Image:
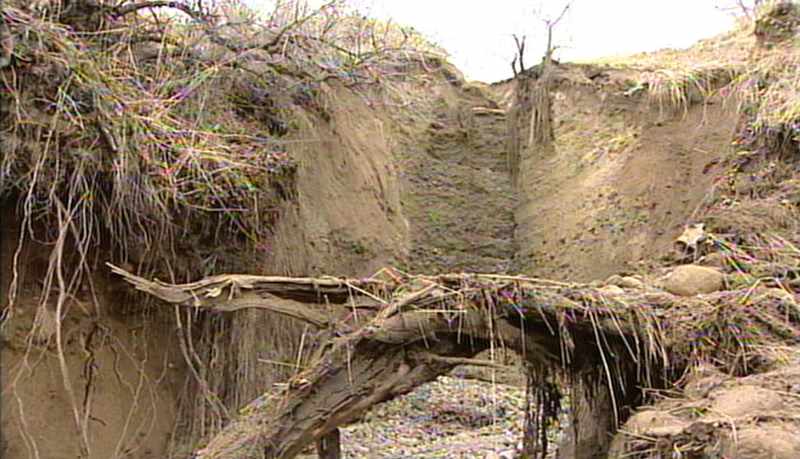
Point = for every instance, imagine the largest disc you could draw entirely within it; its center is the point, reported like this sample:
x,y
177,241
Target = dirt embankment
x,y
618,185
124,366
424,186
344,217
347,217
624,177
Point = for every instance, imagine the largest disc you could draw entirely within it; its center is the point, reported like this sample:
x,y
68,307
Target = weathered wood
x,y
323,289
390,337
353,376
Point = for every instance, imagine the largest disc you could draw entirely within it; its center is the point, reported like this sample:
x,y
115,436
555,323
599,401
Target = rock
x,y
745,400
689,280
715,260
769,441
648,423
625,282
611,290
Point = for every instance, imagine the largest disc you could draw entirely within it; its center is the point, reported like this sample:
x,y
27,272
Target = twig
x,y
429,357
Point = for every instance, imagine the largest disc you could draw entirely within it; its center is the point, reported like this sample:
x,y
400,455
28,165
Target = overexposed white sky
x,y
477,33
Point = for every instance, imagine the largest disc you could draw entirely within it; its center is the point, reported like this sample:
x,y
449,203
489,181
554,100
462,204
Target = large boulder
x,y
689,280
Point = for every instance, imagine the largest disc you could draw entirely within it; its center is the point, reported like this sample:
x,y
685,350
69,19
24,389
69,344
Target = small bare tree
x,y
742,8
550,25
530,122
519,56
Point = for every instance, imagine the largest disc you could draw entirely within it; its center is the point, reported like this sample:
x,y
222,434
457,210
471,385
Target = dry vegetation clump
x,y
681,77
163,136
754,65
770,89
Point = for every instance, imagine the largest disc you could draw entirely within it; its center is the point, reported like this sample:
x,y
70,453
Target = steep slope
x,y
412,174
456,187
344,218
278,170
638,152
622,180
749,410
347,216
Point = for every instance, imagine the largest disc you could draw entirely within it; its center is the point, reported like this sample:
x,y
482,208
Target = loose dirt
x,y
127,369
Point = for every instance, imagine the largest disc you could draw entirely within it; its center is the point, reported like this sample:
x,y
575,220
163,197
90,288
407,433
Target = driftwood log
x,y
383,336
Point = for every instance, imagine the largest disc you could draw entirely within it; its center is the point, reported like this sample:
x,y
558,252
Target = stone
x,y
765,441
715,260
625,282
690,280
745,400
611,290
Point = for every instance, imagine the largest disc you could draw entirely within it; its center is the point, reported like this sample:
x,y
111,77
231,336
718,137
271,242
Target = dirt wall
x,y
342,218
456,187
623,177
125,370
346,218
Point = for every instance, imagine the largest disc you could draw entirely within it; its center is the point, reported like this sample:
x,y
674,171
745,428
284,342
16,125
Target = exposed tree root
x,y
389,336
382,338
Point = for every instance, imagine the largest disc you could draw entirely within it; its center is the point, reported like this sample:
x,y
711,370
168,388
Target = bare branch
x,y
406,339
744,8
520,54
551,25
555,22
430,357
123,10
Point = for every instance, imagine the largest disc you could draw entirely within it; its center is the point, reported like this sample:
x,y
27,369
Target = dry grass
x,y
142,150
677,77
152,130
756,64
769,92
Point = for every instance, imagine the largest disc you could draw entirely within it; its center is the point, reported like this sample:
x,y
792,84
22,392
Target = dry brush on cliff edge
x,y
147,128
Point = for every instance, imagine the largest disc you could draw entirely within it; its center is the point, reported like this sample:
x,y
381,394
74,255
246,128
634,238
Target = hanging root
x,y
542,410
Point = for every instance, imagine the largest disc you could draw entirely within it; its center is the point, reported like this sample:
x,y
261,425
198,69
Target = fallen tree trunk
x,y
337,391
386,337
